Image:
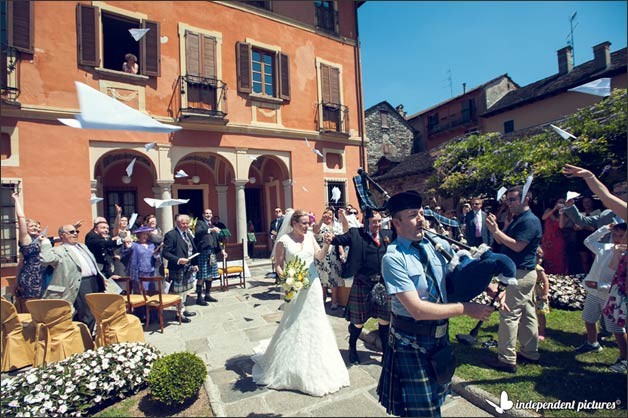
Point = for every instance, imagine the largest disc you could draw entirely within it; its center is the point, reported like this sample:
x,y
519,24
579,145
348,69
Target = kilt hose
x,y
361,307
407,386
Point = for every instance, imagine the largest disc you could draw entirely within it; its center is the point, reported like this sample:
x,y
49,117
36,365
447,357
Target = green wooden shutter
x,y
87,27
150,50
243,65
284,77
20,25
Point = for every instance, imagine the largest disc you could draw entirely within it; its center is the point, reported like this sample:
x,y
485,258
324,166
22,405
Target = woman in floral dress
x,y
30,278
330,268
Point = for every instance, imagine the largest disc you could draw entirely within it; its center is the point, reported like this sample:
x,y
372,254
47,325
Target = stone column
x,y
163,191
223,212
287,193
241,213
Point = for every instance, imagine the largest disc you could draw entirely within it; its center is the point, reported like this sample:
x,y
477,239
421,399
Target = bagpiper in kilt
x,y
418,364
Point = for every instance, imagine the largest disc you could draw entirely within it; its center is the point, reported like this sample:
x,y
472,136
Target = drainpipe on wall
x,y
358,68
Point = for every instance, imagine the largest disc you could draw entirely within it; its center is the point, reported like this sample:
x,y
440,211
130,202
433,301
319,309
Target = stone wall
x,y
394,141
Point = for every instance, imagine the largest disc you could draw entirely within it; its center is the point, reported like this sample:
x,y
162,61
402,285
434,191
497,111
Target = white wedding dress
x,y
303,354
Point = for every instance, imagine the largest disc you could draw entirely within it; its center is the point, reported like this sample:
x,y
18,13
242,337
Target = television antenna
x,y
570,40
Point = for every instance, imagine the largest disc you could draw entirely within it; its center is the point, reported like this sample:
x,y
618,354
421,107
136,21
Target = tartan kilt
x,y
181,281
361,307
207,266
407,386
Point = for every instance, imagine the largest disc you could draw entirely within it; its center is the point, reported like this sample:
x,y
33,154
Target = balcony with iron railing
x,y
332,118
9,84
452,124
202,99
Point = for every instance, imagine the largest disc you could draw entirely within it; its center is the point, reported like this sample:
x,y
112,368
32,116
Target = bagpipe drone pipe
x,y
470,270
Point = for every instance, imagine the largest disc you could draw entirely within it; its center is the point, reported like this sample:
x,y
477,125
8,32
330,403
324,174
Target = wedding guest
x,y
367,246
30,277
552,241
582,232
519,241
541,294
208,244
330,268
178,249
130,64
142,256
103,246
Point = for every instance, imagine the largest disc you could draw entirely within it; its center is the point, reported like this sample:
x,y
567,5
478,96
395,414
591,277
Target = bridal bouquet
x,y
295,277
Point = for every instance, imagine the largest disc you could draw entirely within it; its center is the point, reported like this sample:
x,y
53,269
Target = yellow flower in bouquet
x,y
295,277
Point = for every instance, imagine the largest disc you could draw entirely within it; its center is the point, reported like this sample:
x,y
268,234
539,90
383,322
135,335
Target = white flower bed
x,y
76,384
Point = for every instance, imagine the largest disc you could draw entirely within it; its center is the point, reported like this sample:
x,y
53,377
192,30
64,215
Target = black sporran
x,y
443,364
379,295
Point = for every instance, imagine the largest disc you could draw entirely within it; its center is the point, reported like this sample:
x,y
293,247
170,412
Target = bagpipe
x,y
470,270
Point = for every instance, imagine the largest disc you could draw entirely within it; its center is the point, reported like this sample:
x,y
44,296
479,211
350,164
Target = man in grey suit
x,y
476,232
75,273
596,221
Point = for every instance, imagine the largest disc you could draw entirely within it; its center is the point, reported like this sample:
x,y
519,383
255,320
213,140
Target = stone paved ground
x,y
223,334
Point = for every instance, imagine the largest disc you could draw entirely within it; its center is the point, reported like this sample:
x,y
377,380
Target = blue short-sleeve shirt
x,y
525,227
403,272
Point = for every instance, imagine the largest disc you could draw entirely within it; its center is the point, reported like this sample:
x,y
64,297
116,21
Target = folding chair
x,y
157,300
113,324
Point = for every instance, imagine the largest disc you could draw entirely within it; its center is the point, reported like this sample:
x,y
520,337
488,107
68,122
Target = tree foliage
x,y
481,164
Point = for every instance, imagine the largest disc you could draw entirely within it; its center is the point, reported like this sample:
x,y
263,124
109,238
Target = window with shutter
x,y
331,107
100,27
200,78
19,25
263,72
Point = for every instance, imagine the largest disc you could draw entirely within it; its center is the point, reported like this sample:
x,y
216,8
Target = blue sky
x,y
408,47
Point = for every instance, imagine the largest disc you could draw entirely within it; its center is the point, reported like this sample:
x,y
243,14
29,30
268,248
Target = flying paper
x,y
138,34
501,192
180,174
304,189
150,146
335,194
564,134
252,157
526,188
307,142
129,168
317,152
572,195
44,232
99,111
158,203
599,87
132,220
95,199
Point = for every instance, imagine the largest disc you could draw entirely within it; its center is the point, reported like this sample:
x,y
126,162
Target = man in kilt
x,y
208,243
367,246
414,273
178,248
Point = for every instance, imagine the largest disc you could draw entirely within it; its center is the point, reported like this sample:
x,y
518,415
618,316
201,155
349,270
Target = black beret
x,y
404,200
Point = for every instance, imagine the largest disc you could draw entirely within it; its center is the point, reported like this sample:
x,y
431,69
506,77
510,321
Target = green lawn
x,y
562,375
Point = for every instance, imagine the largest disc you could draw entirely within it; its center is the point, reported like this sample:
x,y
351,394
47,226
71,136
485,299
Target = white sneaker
x,y
588,348
620,366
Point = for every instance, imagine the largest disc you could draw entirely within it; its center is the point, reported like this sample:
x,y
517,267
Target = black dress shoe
x,y
209,298
353,356
200,301
185,320
494,363
188,313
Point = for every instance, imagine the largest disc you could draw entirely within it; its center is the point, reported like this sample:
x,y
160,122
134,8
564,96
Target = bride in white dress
x,y
302,354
